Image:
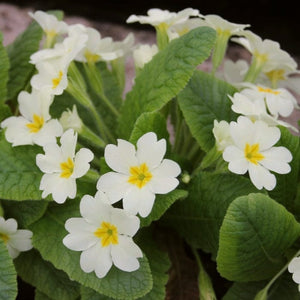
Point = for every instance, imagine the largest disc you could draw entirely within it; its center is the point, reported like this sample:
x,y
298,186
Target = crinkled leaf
x,y
4,67
48,234
19,53
161,204
25,212
19,175
198,218
8,275
38,295
5,111
165,76
41,274
204,100
286,187
254,236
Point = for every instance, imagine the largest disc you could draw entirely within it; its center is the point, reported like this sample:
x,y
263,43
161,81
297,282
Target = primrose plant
x,y
117,192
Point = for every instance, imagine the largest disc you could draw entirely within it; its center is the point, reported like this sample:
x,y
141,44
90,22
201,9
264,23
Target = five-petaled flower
x,y
104,235
16,240
139,174
62,166
253,151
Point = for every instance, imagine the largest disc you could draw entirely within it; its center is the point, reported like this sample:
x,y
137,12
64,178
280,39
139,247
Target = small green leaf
x,y
19,53
48,233
198,218
19,175
165,76
41,274
4,67
8,275
204,100
161,204
38,295
254,236
25,212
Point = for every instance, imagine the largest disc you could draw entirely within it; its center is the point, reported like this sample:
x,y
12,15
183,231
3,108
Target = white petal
x,y
81,162
237,161
261,177
21,240
8,226
115,185
124,255
266,136
127,224
294,265
121,157
94,210
68,143
50,162
276,159
150,151
12,251
96,258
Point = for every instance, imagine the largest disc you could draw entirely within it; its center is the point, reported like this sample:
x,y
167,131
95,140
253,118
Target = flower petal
x,y
81,163
261,177
127,224
21,240
150,151
68,144
237,161
50,161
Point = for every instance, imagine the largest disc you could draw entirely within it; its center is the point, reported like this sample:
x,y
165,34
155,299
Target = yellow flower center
x,y
140,175
4,237
108,234
252,153
57,80
36,124
261,57
276,75
51,33
267,90
90,57
67,168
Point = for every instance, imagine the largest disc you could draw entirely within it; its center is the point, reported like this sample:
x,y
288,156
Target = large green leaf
x,y
19,175
286,187
254,236
204,100
4,67
48,234
199,217
25,212
165,76
19,53
42,275
8,275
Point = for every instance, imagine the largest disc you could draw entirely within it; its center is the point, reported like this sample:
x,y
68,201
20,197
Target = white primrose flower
x,y
16,240
222,134
143,54
294,267
35,125
70,119
104,235
49,23
139,174
62,167
253,151
157,17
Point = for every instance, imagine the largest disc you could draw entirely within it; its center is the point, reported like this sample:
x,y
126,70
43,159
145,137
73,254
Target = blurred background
x,y
276,20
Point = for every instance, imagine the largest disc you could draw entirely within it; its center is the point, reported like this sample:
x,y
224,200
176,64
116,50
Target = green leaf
x,y
38,295
89,294
41,274
25,212
161,204
198,218
150,122
4,67
5,111
19,175
254,236
8,275
48,234
204,100
165,76
286,187
19,53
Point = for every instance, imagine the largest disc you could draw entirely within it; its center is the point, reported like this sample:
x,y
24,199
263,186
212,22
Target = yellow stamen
x,y
260,57
4,237
140,175
267,90
252,153
276,75
90,57
36,124
108,234
67,168
51,33
56,81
